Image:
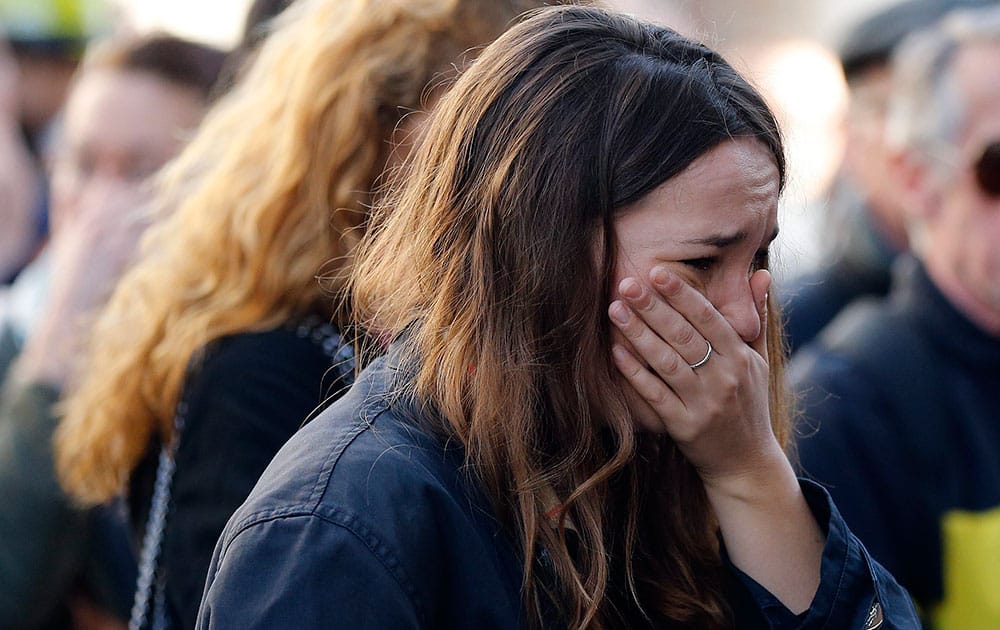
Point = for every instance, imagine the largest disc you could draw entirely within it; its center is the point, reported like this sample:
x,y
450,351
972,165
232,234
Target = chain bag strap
x,y
150,574
151,583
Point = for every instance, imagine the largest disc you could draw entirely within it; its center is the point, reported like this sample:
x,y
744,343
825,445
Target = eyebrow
x,y
722,241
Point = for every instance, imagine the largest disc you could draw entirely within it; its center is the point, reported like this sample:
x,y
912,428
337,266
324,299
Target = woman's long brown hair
x,y
273,190
483,266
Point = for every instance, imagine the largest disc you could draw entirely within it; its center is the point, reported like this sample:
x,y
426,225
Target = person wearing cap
x,y
901,397
41,42
865,214
19,178
48,38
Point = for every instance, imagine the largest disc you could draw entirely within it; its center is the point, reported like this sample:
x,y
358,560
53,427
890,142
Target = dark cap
x,y
871,41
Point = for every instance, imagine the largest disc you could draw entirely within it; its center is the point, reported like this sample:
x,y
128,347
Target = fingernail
x,y
618,312
663,278
618,353
630,288
659,275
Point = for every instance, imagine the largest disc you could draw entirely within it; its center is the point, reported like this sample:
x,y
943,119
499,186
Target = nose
x,y
737,306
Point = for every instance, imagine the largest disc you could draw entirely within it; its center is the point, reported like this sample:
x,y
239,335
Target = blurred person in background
x,y
220,342
45,39
131,106
865,210
19,181
48,38
902,396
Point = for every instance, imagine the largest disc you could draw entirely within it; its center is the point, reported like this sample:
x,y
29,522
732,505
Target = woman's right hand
x,y
91,250
718,412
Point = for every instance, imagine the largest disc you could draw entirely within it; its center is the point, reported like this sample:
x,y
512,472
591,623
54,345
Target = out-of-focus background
x,y
786,46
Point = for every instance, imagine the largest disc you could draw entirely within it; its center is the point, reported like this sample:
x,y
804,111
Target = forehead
x,y
124,109
977,71
732,187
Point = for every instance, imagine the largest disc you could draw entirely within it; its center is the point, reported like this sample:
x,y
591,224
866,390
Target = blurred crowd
x,y
178,225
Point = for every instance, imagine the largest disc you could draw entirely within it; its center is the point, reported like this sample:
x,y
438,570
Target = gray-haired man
x,y
902,398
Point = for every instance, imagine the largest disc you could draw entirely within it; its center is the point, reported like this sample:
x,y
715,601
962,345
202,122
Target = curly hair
x,y
273,190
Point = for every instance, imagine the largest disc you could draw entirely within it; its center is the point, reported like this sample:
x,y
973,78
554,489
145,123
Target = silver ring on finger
x,y
704,359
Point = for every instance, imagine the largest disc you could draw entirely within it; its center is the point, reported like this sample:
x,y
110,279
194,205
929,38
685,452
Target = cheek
x,y
983,237
965,237
627,267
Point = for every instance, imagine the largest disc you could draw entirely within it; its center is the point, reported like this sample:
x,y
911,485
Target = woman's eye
x,y
701,264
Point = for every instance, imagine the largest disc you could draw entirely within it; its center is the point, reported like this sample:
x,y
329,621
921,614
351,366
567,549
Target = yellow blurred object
x,y
971,544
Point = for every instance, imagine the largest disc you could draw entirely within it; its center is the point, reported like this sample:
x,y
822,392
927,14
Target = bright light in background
x,y
216,22
659,11
802,81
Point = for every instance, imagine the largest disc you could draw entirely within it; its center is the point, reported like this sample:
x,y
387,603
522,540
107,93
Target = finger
x,y
760,283
658,354
644,416
650,387
664,320
696,309
617,337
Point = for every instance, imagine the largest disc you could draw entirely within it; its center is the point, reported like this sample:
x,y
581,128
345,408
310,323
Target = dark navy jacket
x,y
246,395
365,521
901,399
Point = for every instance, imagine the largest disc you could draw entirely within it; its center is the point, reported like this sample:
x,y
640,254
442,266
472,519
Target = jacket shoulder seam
x,y
351,523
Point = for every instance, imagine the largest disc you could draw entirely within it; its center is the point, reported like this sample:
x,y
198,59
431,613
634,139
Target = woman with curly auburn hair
x,y
216,346
579,422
